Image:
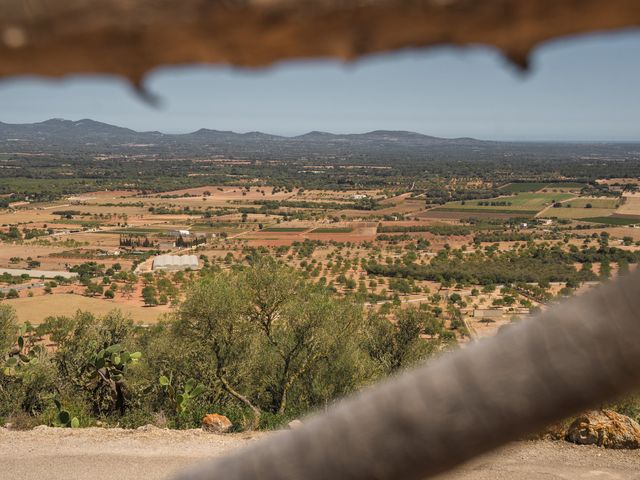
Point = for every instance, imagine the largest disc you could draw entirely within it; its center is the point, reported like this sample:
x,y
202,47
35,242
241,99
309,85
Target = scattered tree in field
x,y
94,289
398,346
149,295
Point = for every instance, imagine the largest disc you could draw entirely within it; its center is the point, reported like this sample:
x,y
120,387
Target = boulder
x,y
604,428
293,424
215,423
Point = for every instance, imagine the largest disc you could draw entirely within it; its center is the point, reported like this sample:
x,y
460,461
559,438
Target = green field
x,y
594,202
524,203
613,220
285,229
522,187
578,213
572,185
332,230
535,186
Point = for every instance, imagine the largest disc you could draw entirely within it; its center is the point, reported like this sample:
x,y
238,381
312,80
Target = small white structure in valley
x,y
180,233
175,262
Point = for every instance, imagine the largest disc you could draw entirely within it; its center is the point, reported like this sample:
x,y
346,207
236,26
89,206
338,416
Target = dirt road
x,y
58,454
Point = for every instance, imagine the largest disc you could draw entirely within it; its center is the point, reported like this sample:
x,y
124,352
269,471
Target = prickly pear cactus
x,y
181,397
64,418
109,367
24,353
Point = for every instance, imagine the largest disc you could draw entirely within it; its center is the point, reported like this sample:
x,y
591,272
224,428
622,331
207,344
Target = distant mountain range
x,y
90,134
67,137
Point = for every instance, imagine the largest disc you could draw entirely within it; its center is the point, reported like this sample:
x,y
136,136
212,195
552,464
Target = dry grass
x,y
630,206
577,212
36,309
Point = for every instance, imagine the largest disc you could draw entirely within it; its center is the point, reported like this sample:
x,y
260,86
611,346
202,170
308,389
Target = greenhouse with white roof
x,y
175,262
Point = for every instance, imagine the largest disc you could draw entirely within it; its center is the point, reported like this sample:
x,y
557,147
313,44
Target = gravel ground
x,y
542,460
151,453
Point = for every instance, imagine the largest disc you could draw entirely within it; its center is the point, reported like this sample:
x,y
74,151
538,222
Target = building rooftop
x,y
175,262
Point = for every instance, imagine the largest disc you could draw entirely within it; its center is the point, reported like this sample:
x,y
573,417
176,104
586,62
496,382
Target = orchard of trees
x,y
260,344
531,264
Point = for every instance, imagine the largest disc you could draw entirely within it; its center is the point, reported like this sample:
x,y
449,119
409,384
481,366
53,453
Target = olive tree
x,y
271,336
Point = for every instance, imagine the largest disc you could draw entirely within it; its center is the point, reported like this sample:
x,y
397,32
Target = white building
x,y
180,233
175,262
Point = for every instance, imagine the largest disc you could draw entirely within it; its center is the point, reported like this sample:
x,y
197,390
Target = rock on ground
x,y
604,428
293,424
215,423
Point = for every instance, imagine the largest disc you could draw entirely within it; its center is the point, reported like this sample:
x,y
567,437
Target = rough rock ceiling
x,y
130,37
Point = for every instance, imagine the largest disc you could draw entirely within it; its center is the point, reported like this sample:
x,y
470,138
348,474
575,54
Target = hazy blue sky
x,y
579,89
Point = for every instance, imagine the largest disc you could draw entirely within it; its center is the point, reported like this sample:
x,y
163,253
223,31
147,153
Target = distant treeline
x,y
485,271
495,223
360,204
393,238
495,237
494,203
185,242
433,229
69,213
136,241
122,204
175,211
276,204
537,264
440,196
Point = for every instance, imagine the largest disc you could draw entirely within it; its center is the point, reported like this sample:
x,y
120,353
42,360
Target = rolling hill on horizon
x,y
87,127
89,137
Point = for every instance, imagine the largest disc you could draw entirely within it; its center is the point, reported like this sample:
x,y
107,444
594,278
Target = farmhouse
x,y
175,262
180,233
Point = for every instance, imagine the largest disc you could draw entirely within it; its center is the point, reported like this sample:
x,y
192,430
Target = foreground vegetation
x,y
259,344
